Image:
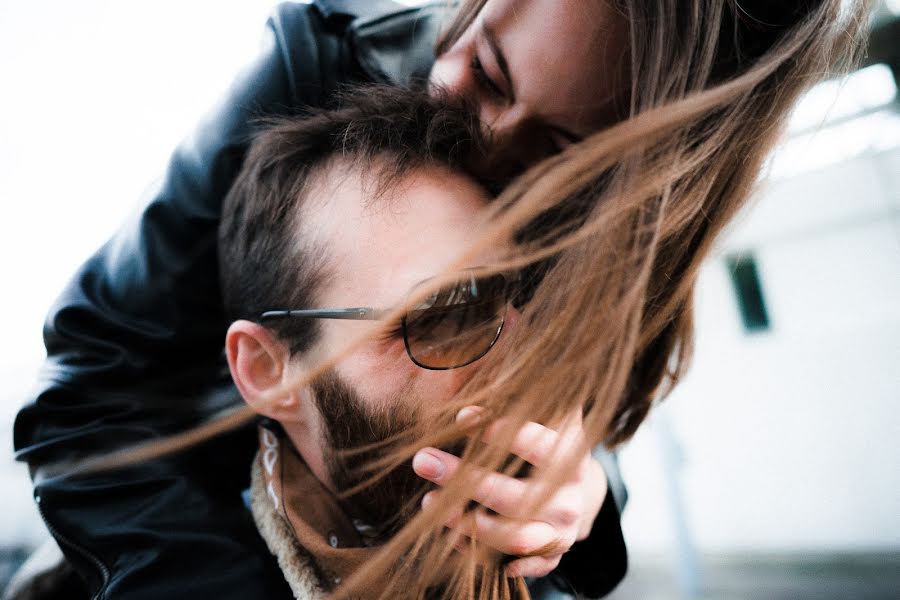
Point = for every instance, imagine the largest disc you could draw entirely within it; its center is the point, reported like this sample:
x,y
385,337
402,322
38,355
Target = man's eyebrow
x,y
494,47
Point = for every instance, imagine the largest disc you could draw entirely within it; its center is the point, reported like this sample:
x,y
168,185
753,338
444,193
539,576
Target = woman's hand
x,y
567,517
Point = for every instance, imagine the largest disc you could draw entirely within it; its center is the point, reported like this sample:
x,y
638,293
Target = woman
x,y
702,87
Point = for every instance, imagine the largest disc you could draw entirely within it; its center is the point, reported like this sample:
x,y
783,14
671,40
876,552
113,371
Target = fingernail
x,y
469,412
428,466
427,499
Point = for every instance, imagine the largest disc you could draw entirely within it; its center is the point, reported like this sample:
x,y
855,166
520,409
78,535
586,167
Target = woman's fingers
x,y
498,492
533,566
537,444
507,496
508,536
538,538
517,538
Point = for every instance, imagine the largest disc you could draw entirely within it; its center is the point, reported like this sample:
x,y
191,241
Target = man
x,y
331,223
367,225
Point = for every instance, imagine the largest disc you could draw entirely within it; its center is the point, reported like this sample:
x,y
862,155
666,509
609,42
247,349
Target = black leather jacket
x,y
134,345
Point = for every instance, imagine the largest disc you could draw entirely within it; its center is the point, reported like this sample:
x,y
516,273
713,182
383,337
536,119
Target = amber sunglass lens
x,y
458,324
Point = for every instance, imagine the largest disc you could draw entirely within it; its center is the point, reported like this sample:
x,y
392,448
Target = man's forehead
x,y
382,241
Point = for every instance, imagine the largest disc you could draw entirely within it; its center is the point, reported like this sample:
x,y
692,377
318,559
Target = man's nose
x,y
510,325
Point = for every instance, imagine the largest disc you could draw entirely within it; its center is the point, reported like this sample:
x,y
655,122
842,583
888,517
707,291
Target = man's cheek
x,y
381,370
433,389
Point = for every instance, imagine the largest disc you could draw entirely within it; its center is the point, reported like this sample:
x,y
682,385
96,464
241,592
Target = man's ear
x,y
260,365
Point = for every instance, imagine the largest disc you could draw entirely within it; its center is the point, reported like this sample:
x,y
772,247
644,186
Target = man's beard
x,y
348,424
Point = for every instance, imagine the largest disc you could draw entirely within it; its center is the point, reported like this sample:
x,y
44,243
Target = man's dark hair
x,y
386,131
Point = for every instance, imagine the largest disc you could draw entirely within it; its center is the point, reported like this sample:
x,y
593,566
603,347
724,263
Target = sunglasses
x,y
449,328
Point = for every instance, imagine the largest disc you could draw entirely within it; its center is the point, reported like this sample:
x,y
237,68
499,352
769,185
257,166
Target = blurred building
x,y
772,472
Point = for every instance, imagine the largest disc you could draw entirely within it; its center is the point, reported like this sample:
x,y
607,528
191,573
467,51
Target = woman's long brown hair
x,y
625,219
609,329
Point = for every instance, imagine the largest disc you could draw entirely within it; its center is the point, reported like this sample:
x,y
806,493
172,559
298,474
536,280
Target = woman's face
x,y
543,74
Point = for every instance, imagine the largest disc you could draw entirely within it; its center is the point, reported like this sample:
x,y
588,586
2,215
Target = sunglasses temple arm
x,y
358,314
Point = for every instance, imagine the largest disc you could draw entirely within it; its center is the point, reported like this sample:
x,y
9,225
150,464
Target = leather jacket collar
x,y
392,44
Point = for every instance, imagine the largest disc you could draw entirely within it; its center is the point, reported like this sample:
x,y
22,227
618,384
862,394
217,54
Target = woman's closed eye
x,y
484,81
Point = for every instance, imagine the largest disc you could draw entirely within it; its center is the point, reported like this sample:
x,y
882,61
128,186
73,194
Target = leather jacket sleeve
x,y
594,567
134,353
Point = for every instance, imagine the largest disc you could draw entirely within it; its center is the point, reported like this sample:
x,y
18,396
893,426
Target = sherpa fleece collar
x,y
315,542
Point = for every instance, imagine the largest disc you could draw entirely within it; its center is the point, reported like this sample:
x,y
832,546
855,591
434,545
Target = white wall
x,y
789,437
